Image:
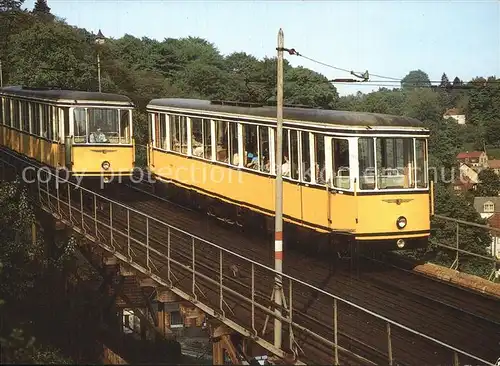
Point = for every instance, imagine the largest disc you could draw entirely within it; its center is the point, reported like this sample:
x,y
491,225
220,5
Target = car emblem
x,y
104,151
398,201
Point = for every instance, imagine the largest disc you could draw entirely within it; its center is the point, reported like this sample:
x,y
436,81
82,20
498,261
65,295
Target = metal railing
x,y
456,246
234,289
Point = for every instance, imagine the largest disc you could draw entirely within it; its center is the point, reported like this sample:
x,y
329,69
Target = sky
x,y
389,38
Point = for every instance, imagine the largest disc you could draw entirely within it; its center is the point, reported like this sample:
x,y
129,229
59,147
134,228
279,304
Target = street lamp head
x,y
99,38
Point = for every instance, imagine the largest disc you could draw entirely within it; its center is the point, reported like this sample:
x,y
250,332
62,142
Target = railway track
x,y
447,313
357,331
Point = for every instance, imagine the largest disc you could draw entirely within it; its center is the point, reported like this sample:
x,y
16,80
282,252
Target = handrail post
x,y
81,209
335,332
389,343
194,268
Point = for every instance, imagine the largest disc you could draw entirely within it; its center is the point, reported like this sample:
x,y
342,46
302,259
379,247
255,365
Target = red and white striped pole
x,y
278,234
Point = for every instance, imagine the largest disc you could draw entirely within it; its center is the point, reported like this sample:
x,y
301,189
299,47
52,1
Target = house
x,y
494,164
470,174
455,114
464,184
487,206
474,158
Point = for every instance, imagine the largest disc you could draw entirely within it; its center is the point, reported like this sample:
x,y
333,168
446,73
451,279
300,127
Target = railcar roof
x,y
293,113
67,95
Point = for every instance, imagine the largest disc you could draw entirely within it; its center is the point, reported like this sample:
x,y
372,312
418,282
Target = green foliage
x,y
415,79
51,54
489,183
41,8
303,86
10,5
23,264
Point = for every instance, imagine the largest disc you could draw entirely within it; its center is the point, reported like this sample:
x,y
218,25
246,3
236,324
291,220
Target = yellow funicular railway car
x,y
87,133
354,174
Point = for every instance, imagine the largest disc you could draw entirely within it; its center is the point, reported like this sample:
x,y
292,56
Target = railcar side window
x,y
233,140
340,164
221,134
294,154
125,137
8,112
35,119
2,119
15,114
250,147
306,157
421,165
155,120
395,167
366,156
319,158
47,121
264,157
207,139
285,163
66,120
25,116
178,133
55,125
162,142
201,139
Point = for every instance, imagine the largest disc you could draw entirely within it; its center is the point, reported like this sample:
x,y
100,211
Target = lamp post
x,y
278,234
99,40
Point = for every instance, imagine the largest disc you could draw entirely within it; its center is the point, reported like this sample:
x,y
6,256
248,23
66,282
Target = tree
x,y
10,5
52,54
41,8
307,87
445,83
489,183
415,79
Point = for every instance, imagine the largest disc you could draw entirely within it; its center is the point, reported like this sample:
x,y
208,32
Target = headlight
x,y
401,222
105,165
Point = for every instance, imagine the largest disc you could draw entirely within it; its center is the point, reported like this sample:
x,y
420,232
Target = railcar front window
x,y
125,135
421,163
103,125
395,163
366,157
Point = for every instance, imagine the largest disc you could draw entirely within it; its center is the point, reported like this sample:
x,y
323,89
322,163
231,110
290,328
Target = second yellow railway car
x,y
358,174
87,133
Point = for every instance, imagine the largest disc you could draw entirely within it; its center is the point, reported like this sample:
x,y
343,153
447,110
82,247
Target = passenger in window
x,y
253,161
285,167
320,174
97,137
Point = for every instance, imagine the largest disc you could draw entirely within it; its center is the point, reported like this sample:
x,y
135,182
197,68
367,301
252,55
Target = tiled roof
x,y
494,164
472,154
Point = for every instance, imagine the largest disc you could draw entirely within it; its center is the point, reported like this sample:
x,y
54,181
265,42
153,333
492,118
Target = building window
x,y
176,319
489,207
